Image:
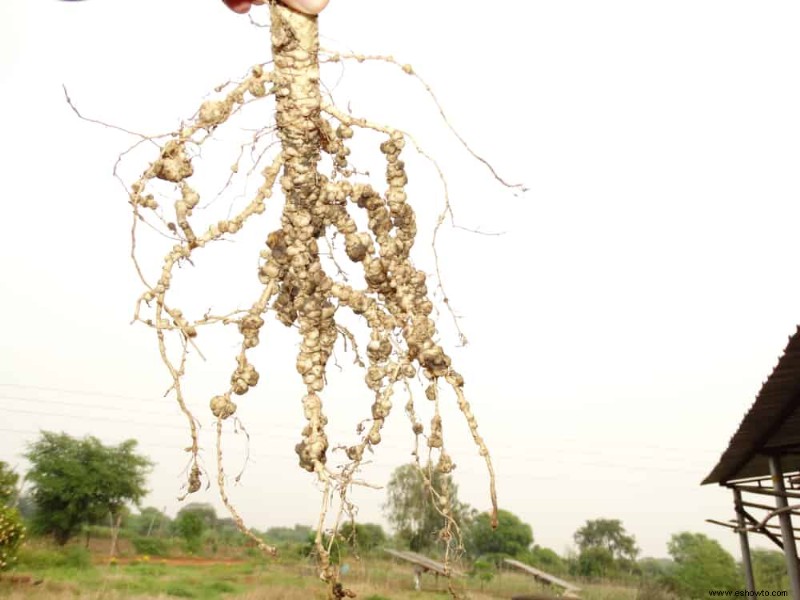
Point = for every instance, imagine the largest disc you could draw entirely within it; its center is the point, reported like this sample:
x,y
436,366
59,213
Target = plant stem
x,y
295,48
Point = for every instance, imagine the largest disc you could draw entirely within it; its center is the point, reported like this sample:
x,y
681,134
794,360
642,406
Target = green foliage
x,y
77,481
297,534
72,557
655,568
12,532
595,561
511,538
337,549
483,570
365,537
769,569
77,558
411,510
151,546
149,521
605,549
226,533
700,564
545,559
180,591
191,525
8,484
608,534
203,510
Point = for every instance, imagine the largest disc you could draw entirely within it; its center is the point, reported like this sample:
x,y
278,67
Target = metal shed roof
x,y
771,424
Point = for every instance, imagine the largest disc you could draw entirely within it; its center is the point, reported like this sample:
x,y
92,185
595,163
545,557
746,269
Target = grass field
x,y
205,579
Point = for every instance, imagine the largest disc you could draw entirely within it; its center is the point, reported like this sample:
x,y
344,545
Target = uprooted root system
x,y
395,304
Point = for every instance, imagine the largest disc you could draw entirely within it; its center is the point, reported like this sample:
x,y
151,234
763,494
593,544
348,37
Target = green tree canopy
x,y
701,564
76,481
769,570
204,510
8,484
191,526
655,569
595,561
149,522
511,538
365,537
545,559
411,511
608,534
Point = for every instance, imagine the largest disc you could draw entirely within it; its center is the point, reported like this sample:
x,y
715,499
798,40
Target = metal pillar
x,y
789,547
744,542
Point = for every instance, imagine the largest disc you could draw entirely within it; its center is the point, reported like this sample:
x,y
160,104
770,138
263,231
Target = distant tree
x,y
8,484
545,559
193,522
227,532
608,534
77,481
595,561
295,535
149,522
701,564
366,537
191,526
511,538
411,511
769,570
655,569
204,510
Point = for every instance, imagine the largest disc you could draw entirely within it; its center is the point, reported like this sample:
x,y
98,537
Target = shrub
x,y
76,557
483,570
12,532
150,546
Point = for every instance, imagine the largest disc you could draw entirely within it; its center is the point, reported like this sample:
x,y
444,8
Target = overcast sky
x,y
642,290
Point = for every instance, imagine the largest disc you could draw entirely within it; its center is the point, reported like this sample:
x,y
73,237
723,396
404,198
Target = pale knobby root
x,y
395,304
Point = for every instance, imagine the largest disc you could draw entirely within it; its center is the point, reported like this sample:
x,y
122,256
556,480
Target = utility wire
x,y
164,402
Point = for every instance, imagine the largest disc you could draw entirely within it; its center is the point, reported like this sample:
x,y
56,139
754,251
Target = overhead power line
x,y
81,392
166,402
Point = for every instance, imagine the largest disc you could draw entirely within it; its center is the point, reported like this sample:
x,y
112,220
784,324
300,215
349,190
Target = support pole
x,y
747,563
789,547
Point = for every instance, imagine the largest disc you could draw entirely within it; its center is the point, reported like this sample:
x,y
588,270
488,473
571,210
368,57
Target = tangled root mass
x,y
395,304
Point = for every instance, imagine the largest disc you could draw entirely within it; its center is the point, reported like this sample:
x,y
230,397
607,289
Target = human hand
x,y
311,7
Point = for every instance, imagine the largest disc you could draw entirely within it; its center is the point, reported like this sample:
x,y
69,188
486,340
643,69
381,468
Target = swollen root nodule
x,y
395,303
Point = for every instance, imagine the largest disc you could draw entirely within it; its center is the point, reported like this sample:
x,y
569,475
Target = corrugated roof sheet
x,y
772,423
